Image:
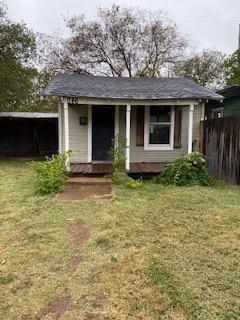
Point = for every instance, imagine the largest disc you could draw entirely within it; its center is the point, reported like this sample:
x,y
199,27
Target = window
x,y
217,112
159,127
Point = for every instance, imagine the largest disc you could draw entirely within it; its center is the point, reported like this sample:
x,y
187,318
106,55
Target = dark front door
x,y
102,132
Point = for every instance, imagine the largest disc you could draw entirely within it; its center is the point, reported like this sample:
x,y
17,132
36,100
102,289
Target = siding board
x,y
138,154
79,136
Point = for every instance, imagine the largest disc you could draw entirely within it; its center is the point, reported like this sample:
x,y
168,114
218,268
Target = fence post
x,y
201,137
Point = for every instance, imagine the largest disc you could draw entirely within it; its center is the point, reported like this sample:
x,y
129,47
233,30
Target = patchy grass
x,y
152,253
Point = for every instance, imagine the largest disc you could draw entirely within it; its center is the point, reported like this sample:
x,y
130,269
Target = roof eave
x,y
67,95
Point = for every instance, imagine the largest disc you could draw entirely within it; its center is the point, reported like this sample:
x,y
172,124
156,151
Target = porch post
x,y
60,129
203,111
116,128
66,131
128,119
190,128
89,133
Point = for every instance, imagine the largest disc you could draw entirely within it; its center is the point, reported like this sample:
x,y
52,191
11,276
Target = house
x,y
28,134
159,118
230,106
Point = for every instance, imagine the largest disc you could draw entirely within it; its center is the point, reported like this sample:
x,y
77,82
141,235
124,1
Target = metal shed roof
x,y
29,115
76,85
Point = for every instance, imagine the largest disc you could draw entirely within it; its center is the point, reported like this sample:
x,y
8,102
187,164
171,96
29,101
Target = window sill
x,y
158,148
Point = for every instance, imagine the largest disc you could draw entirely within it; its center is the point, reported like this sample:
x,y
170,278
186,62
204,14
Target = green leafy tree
x,y
37,103
232,69
205,68
18,76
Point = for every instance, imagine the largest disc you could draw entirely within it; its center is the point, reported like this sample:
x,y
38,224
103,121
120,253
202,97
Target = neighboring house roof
x,y
230,106
76,85
29,115
230,92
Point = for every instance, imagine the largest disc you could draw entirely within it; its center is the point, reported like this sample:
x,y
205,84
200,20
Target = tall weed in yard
x,y
187,171
134,183
118,153
50,174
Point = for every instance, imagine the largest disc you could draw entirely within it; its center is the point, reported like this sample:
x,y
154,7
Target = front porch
x,y
155,132
158,118
102,168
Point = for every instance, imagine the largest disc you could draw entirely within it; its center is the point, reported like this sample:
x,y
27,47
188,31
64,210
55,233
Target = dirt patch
x,y
18,235
79,232
75,194
99,300
76,259
92,316
58,307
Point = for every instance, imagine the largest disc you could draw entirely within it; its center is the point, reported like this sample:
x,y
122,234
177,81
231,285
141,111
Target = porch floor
x,y
100,168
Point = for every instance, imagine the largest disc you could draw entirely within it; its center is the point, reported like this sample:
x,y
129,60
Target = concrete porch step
x,y
85,192
88,181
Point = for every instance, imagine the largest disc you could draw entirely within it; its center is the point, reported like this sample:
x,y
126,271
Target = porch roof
x,y
76,85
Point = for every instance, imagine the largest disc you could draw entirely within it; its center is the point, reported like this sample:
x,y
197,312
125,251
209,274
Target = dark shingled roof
x,y
75,85
230,92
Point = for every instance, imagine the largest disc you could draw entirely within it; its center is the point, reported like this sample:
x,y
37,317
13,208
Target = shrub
x,y
187,171
134,183
118,152
116,178
50,174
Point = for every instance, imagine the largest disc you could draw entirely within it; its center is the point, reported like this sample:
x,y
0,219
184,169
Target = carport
x,y
28,134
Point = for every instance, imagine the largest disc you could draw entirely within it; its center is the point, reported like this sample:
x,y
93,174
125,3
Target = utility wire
x,y
182,21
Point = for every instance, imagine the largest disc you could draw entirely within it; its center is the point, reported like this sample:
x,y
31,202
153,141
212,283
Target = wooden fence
x,y
221,146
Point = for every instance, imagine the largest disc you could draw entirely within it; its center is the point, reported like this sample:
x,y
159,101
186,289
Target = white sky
x,y
205,23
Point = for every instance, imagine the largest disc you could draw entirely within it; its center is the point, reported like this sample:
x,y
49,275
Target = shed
x,y
28,134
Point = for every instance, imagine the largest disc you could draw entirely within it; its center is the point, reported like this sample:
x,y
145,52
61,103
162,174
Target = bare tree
x,y
206,68
120,42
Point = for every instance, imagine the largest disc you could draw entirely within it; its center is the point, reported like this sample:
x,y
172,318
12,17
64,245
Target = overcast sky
x,y
205,23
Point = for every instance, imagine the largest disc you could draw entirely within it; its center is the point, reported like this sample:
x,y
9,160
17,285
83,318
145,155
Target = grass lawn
x,y
155,253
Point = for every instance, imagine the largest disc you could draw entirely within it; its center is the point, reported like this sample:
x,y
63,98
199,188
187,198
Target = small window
x,y
217,112
159,127
160,124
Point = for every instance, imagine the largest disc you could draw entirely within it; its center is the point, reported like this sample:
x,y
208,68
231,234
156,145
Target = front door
x,y
102,132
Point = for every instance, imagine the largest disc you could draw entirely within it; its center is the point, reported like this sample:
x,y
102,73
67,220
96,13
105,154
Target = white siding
x,y
63,132
78,136
138,154
197,115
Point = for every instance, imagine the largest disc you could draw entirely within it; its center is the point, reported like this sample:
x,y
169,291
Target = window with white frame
x,y
217,112
159,127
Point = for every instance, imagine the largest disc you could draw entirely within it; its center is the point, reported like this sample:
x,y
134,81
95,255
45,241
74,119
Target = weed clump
x,y
189,170
50,174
